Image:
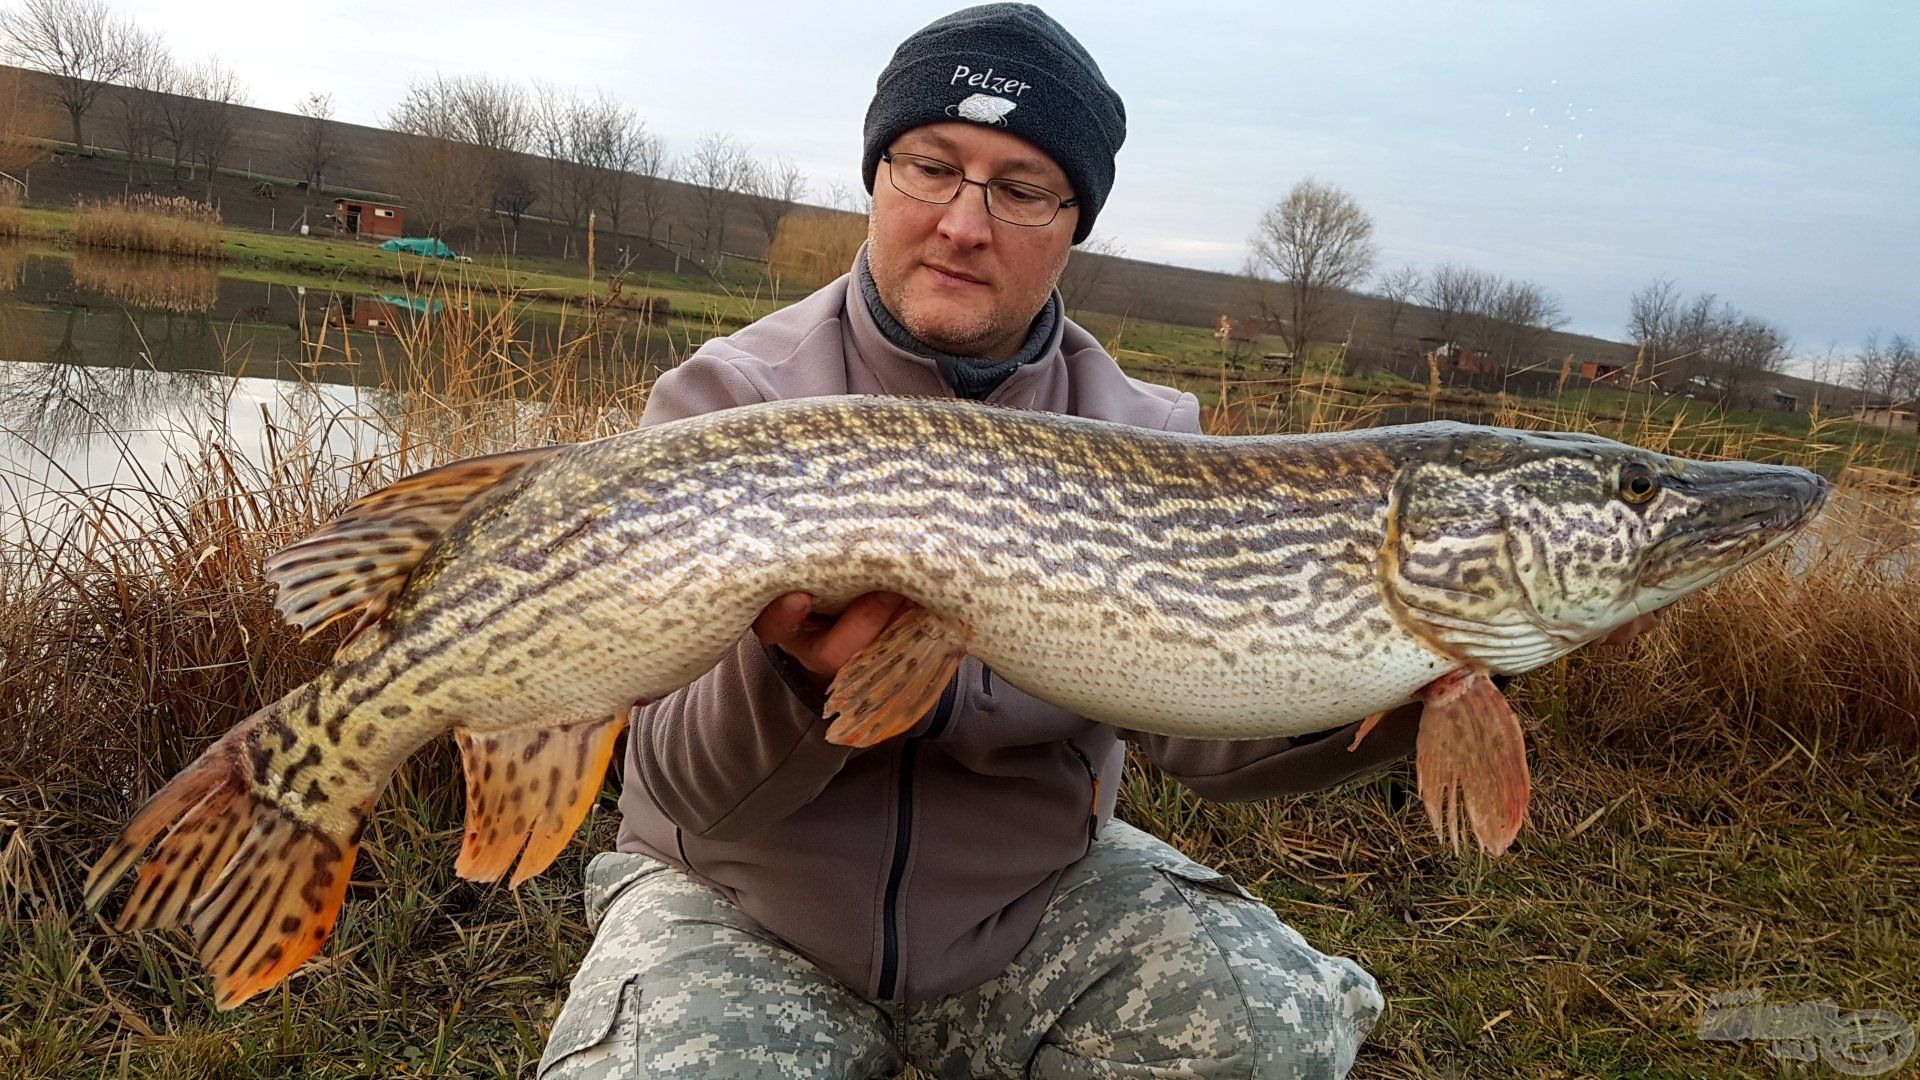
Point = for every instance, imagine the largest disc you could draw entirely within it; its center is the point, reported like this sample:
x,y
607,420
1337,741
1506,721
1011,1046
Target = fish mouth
x,y
1742,511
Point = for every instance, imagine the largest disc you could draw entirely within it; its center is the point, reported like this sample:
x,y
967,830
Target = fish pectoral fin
x,y
358,563
1471,756
260,887
889,685
528,789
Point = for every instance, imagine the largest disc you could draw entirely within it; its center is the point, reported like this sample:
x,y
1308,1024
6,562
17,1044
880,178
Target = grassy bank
x,y
1728,805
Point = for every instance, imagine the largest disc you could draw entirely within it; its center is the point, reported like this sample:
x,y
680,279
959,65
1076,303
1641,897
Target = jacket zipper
x,y
902,839
1093,778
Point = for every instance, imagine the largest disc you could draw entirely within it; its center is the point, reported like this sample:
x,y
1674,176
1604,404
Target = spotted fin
x,y
1471,756
527,792
888,686
358,563
260,888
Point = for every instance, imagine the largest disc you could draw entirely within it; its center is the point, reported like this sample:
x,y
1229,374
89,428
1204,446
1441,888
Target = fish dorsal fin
x,y
359,562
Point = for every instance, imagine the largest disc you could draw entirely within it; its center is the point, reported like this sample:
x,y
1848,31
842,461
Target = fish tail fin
x,y
259,883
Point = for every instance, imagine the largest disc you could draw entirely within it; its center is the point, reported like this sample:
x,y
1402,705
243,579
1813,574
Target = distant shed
x,y
1601,371
1897,416
358,217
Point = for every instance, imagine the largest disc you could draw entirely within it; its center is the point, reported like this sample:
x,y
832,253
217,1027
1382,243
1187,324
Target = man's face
x,y
956,277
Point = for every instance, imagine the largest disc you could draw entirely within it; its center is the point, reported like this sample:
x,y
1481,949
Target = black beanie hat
x,y
1009,66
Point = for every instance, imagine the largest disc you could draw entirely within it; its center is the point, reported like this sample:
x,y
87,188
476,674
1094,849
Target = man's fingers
x,y
782,620
855,629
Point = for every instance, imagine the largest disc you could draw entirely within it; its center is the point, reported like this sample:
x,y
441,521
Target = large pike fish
x,y
1226,588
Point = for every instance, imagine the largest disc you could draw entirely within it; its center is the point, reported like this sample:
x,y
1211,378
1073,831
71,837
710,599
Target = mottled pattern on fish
x,y
1182,585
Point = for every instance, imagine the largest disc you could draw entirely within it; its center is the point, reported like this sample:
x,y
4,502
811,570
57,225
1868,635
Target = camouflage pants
x,y
1144,964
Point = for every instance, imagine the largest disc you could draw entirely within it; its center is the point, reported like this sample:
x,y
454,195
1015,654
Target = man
x,y
958,898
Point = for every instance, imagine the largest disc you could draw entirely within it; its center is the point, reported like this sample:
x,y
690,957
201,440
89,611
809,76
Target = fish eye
x,y
1637,483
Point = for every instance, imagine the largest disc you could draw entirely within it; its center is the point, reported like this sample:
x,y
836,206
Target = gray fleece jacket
x,y
919,867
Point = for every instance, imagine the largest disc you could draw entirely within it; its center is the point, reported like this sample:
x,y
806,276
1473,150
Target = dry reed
x,y
812,247
166,225
1735,767
13,217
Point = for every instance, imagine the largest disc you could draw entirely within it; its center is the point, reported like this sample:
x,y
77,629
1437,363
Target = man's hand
x,y
821,643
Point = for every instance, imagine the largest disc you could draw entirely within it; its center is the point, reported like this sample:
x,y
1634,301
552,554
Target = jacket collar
x,y
919,374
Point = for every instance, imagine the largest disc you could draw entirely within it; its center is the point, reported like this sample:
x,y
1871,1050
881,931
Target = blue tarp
x,y
428,246
419,305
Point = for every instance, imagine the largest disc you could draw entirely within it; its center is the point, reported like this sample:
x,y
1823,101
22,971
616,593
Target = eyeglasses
x,y
931,180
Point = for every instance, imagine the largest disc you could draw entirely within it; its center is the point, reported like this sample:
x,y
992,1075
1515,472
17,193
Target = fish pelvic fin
x,y
259,882
888,686
1471,760
360,562
527,792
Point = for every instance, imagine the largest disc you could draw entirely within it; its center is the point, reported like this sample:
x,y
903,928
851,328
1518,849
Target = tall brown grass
x,y
13,217
167,225
812,247
135,627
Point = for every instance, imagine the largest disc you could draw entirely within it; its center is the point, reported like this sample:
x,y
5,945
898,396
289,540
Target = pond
x,y
110,361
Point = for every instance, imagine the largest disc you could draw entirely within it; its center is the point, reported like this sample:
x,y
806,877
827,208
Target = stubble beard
x,y
967,333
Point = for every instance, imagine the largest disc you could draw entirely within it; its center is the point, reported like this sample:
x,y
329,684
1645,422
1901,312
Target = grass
x,y
1728,805
165,225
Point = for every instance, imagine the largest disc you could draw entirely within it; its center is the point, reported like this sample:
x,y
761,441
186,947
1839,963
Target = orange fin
x,y
260,888
1471,756
358,563
1366,726
527,792
889,685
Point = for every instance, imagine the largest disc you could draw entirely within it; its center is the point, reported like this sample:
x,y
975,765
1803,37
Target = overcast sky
x,y
1768,152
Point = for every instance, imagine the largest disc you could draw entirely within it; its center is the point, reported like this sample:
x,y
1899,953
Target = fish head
x,y
1510,548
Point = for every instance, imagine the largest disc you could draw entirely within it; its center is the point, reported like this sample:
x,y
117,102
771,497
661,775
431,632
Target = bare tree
x,y
1890,371
139,106
316,144
1742,351
213,116
1453,292
586,144
615,139
653,171
1512,320
773,188
1398,287
1315,241
81,43
1090,266
446,178
174,92
718,168
843,196
514,193
24,114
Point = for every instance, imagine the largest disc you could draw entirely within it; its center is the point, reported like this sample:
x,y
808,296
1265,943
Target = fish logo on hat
x,y
983,109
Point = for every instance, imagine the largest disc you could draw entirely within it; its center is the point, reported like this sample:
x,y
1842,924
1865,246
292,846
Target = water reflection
x,y
149,282
13,265
66,429
58,404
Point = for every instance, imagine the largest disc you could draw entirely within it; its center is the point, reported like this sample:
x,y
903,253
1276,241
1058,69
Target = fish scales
x,y
1086,554
1179,585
